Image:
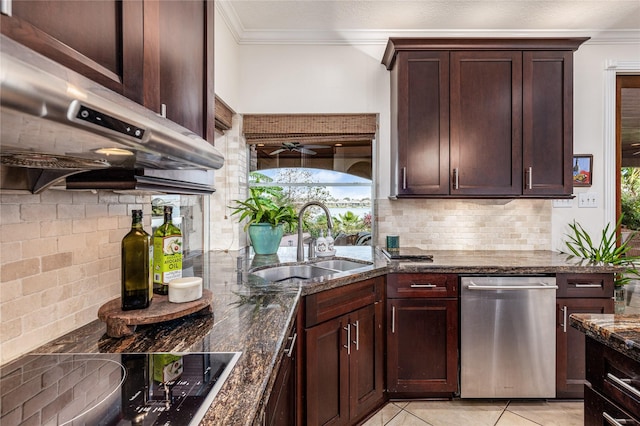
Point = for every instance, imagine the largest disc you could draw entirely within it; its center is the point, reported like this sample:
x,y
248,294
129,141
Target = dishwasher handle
x,y
540,286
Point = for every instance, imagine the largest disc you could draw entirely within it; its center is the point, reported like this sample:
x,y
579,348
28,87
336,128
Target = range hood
x,y
60,129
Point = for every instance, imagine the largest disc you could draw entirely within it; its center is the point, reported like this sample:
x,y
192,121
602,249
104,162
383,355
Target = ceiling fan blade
x,y
305,151
277,151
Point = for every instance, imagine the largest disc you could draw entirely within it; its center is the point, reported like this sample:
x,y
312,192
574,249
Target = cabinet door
x,y
421,113
422,347
570,344
102,39
178,71
366,357
486,123
281,406
327,368
547,122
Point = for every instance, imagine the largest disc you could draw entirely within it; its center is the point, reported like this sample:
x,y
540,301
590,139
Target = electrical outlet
x,y
563,203
588,200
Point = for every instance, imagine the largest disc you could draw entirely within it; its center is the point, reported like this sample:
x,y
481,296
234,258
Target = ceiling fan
x,y
297,147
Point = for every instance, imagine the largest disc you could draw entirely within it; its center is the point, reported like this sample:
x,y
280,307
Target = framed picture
x,y
582,170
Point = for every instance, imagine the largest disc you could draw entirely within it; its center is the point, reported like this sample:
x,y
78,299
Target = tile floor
x,y
479,413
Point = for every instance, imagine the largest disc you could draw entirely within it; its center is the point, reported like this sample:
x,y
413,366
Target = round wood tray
x,y
123,323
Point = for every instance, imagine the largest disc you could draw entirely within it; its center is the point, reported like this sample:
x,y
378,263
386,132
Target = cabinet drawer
x,y
422,285
598,411
330,304
585,285
614,375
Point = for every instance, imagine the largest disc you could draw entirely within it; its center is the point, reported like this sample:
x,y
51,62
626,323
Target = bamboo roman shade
x,y
274,129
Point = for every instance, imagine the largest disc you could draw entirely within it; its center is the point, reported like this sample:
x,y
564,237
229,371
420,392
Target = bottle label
x,y
167,254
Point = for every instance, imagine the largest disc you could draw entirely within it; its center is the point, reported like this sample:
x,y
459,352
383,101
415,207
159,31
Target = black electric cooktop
x,y
112,389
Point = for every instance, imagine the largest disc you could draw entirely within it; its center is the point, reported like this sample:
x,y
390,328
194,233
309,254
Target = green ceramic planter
x,y
265,239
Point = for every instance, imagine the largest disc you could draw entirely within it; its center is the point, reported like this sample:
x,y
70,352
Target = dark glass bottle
x,y
136,276
167,253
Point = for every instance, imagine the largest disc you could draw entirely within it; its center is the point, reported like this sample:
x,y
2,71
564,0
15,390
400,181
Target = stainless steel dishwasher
x,y
508,343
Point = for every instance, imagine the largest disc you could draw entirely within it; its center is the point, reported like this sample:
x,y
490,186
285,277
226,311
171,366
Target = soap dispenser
x,y
321,244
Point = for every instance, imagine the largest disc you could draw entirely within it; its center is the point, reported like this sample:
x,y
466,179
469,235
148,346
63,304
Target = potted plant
x,y
267,217
612,249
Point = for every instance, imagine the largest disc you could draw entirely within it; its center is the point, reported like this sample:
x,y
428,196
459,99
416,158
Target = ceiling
x,y
373,21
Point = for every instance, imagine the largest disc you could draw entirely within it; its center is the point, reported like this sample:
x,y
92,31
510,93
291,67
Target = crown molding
x,y
245,36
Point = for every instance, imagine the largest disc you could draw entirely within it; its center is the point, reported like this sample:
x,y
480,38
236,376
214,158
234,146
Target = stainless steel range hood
x,y
62,129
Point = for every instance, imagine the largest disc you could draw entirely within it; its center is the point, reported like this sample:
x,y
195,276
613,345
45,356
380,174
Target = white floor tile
x,y
552,413
510,419
458,412
383,416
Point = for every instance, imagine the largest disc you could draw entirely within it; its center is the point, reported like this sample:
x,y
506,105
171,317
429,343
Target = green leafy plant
x,y
611,249
263,207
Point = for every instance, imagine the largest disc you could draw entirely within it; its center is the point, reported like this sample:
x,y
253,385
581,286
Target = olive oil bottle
x,y
136,274
167,253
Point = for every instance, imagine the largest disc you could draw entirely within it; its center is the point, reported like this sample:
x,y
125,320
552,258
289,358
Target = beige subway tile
x,y
39,283
107,223
19,199
37,318
10,213
88,254
118,210
55,228
109,250
84,226
56,197
70,211
39,247
17,308
10,290
37,212
71,274
84,197
96,210
20,269
52,296
107,278
127,199
10,252
57,261
73,243
11,329
19,232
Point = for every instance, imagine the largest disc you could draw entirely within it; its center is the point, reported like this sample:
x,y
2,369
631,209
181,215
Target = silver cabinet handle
x,y
530,178
564,319
348,345
623,383
542,286
163,110
5,7
616,422
413,285
293,344
455,178
588,286
404,178
357,341
393,319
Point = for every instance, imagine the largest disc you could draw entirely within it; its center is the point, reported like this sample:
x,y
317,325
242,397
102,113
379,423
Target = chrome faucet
x,y
300,214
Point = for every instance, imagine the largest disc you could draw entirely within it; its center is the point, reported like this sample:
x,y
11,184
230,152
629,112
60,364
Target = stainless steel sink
x,y
340,264
291,272
306,271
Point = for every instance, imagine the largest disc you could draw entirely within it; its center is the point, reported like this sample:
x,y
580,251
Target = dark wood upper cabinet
x,y
102,40
486,123
481,117
155,52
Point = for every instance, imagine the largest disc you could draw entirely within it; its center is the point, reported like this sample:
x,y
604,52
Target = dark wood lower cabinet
x,y
422,347
612,392
344,371
281,408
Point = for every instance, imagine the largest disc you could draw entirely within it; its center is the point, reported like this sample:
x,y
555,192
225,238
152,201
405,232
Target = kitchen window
x,y
323,157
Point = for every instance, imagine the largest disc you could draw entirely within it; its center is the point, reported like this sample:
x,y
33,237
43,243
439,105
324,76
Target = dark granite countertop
x,y
255,317
619,332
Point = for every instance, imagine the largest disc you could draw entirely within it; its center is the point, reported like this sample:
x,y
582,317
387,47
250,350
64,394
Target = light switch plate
x,y
588,200
563,203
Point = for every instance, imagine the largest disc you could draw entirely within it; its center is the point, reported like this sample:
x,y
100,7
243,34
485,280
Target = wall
x,y
321,78
60,260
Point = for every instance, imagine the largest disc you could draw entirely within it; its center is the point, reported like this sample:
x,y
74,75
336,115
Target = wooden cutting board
x,y
123,323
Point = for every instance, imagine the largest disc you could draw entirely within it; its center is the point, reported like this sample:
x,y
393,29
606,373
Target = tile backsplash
x,y
466,224
60,261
